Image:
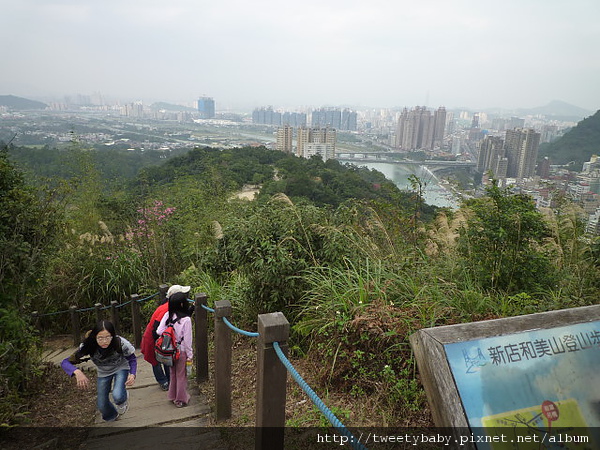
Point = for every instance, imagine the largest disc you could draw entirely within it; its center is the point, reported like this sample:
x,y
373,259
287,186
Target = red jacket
x,y
149,336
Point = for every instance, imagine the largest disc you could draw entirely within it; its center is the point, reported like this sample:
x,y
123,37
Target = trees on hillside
x,y
502,243
577,145
28,224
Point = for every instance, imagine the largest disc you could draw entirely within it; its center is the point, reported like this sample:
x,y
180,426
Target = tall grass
x,y
235,288
338,295
93,268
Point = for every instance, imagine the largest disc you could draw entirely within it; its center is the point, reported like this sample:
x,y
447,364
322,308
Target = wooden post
x,y
271,381
114,315
201,337
222,360
162,294
136,320
98,307
75,326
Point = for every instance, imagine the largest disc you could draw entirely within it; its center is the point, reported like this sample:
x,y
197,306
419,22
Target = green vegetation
x,y
576,146
355,264
51,165
502,240
28,224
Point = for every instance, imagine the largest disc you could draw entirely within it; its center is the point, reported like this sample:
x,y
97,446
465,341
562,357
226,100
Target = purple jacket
x,y
107,364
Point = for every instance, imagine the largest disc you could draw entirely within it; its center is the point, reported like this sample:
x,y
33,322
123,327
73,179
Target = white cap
x,y
174,289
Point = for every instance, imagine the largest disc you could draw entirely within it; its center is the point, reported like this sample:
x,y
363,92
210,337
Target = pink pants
x,y
178,382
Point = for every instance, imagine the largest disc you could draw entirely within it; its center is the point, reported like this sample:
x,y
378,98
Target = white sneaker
x,y
123,407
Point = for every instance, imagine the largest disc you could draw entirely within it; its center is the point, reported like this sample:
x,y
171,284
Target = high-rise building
x,y
334,118
439,127
308,136
133,109
285,136
349,120
407,132
294,119
206,107
325,151
266,116
521,149
418,129
491,157
326,118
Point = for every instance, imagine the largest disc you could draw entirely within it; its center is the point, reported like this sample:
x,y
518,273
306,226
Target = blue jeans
x,y
161,373
107,409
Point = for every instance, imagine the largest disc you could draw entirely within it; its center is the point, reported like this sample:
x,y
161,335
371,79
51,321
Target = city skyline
x,y
245,55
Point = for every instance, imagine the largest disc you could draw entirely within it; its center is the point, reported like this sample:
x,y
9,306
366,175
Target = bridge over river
x,y
398,158
437,191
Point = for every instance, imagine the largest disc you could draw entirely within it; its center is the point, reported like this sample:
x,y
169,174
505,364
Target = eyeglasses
x,y
104,339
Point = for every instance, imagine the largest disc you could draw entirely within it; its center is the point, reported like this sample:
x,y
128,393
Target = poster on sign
x,y
541,384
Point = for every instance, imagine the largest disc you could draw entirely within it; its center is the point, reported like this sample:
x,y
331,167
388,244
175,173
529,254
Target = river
x,y
435,194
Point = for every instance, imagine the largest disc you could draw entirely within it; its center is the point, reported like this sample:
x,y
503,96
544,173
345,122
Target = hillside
x,y
19,103
577,145
327,183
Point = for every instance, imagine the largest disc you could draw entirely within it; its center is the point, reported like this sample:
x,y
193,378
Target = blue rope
x,y
208,309
123,304
245,333
54,313
93,307
316,400
147,298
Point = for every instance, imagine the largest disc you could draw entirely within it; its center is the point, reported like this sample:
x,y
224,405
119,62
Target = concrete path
x,y
152,420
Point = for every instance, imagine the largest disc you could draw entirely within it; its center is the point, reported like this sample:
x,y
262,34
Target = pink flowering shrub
x,y
150,218
150,236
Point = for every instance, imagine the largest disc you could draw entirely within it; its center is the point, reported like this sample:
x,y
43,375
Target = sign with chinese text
x,y
542,383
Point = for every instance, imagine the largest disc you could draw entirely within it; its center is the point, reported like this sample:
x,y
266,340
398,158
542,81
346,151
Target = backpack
x,y
166,347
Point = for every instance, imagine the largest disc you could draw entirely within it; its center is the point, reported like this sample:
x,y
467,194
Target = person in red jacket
x,y
161,372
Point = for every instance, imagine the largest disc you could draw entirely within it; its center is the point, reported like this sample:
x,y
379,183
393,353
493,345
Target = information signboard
x,y
533,379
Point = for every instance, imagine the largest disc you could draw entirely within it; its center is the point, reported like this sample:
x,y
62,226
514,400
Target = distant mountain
x,y
557,109
19,103
170,107
576,145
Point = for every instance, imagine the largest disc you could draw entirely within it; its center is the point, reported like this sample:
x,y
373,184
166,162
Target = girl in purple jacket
x,y
115,359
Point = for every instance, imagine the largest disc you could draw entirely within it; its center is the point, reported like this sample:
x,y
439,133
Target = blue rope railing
x,y
55,313
316,400
311,394
236,329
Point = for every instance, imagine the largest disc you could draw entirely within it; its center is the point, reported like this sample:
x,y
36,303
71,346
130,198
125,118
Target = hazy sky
x,y
248,53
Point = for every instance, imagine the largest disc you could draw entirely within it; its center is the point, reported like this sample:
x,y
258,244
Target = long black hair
x,y
90,344
179,306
